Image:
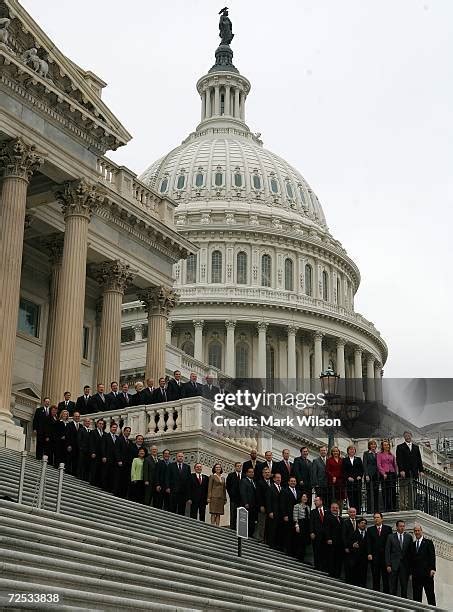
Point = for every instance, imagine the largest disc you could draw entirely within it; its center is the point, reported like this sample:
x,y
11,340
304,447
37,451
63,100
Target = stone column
x,y
242,106
262,330
208,103
19,162
198,343
230,357
168,332
358,373
158,301
227,99
370,390
114,277
216,100
236,103
292,372
54,247
340,358
78,200
317,338
203,106
378,381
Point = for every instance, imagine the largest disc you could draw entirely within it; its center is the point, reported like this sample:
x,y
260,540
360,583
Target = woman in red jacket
x,y
334,470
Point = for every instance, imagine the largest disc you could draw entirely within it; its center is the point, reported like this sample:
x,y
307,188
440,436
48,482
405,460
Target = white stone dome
x,y
230,165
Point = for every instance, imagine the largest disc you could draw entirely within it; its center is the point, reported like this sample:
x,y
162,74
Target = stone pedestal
x,y
78,200
158,301
114,277
19,161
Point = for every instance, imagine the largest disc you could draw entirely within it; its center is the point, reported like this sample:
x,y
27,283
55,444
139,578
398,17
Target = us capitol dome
x,y
270,293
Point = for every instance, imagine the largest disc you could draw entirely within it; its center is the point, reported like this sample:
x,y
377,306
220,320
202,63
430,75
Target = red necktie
x,y
199,478
321,515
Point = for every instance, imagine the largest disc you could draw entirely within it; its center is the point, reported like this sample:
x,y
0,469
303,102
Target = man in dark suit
x,y
371,475
262,487
124,398
39,419
192,388
84,446
318,535
254,464
397,558
209,389
175,387
198,495
150,464
410,467
247,491
360,553
285,467
72,456
162,499
353,476
289,498
82,403
110,459
67,404
274,525
302,471
98,402
124,454
377,539
160,394
334,541
319,474
232,486
146,394
113,396
177,484
349,529
269,463
96,470
422,567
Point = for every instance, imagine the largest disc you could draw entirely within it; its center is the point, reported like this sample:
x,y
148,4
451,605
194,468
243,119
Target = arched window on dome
x,y
242,360
274,185
237,179
241,268
164,185
191,269
256,180
266,270
222,104
289,190
218,179
325,286
188,347
215,355
338,290
181,181
289,274
308,279
216,267
302,197
199,179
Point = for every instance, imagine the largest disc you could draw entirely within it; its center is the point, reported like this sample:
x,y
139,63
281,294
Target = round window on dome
x,y
218,179
164,185
181,181
238,179
289,190
274,185
199,180
256,182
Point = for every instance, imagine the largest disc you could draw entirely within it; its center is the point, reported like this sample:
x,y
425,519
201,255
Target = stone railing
x,y
125,183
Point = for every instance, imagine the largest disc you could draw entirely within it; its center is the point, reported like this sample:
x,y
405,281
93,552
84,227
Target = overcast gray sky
x,y
358,95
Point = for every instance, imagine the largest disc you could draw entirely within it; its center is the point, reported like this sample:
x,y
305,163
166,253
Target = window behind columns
x,y
266,270
216,267
215,355
325,286
241,261
242,360
188,347
191,269
289,275
308,279
86,343
127,334
29,316
270,367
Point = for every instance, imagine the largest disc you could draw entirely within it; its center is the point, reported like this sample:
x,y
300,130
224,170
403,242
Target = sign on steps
x,y
242,527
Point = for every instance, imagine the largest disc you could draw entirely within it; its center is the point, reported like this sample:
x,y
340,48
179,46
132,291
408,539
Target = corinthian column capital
x,y
113,275
79,198
159,300
53,246
19,159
